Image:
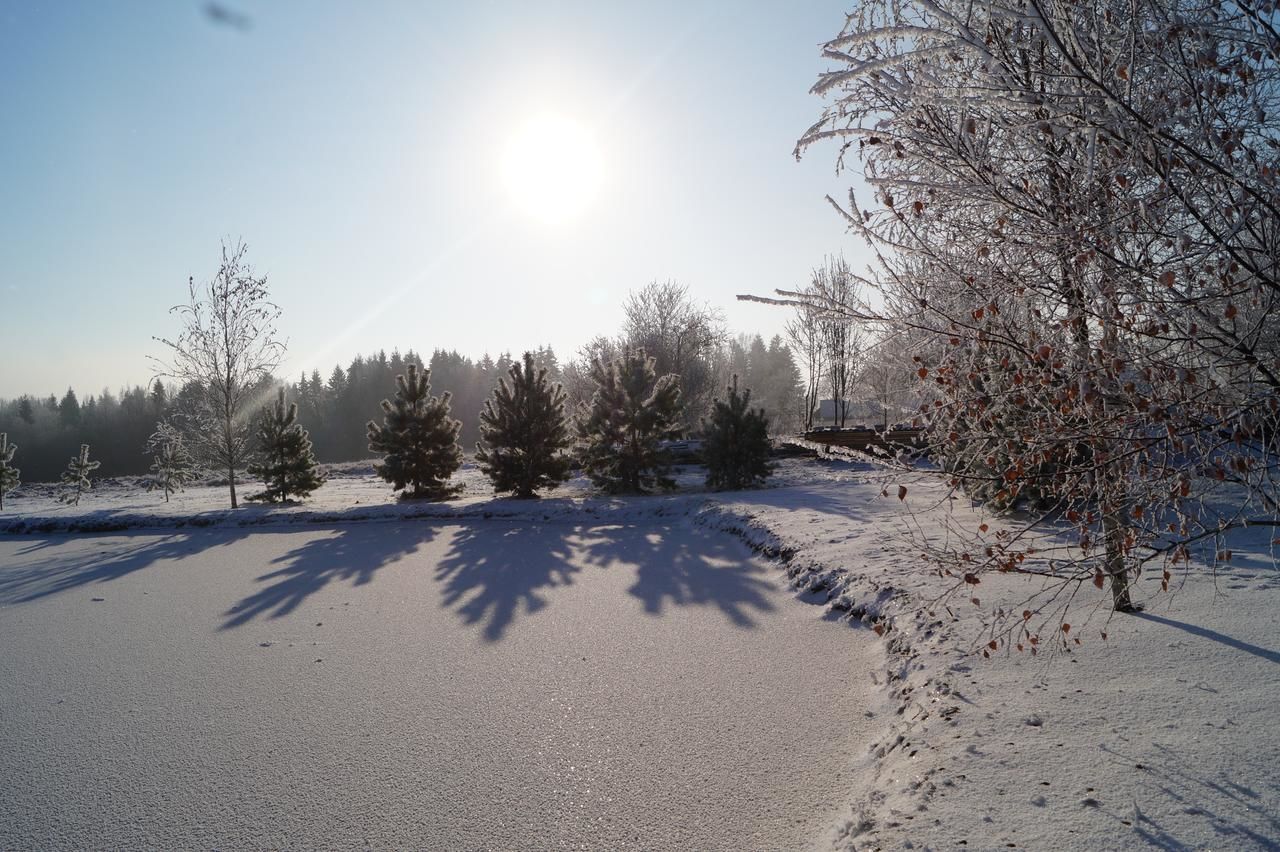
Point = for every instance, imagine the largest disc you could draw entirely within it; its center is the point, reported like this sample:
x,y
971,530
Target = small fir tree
x,y
76,476
286,464
171,464
737,443
8,473
524,432
622,429
419,438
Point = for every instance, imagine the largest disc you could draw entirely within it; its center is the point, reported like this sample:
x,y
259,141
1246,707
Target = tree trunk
x,y
1113,541
231,481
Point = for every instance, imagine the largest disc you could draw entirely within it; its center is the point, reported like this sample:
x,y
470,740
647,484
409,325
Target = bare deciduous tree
x,y
681,336
888,378
223,357
835,289
804,333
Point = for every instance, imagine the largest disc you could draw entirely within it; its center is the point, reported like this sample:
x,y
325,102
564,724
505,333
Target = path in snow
x,y
408,684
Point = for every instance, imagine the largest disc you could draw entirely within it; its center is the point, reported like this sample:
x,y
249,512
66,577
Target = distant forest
x,y
336,407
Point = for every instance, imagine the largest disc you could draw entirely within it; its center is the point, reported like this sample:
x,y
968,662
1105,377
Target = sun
x,y
552,168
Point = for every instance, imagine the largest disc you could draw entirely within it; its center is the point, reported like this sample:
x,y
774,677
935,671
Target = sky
x,y
478,176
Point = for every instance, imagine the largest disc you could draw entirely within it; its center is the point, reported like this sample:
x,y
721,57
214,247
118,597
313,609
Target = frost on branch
x,y
76,476
171,464
8,473
1075,221
223,357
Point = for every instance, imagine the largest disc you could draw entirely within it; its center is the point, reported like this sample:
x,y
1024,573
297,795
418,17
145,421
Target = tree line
x,y
684,338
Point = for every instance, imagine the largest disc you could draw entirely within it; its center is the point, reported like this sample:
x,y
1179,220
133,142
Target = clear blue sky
x,y
358,149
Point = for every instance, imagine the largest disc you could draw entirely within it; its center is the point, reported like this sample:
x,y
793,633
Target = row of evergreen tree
x,y
527,433
120,426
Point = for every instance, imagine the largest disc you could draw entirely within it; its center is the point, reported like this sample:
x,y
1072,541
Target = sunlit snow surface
x,y
1160,736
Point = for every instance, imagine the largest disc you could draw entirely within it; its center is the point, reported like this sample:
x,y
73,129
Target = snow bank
x,y
1160,734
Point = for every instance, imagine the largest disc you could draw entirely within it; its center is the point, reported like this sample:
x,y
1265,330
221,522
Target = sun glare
x,y
552,168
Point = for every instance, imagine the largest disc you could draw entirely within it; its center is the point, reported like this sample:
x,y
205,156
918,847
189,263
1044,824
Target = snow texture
x,y
1159,736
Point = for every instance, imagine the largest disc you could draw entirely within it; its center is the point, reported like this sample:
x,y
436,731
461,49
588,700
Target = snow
x,y
1161,735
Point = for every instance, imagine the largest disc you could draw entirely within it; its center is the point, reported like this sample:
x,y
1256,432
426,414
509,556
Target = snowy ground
x,y
401,685
1163,736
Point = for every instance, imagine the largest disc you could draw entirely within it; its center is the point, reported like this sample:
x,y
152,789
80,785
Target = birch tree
x,y
223,357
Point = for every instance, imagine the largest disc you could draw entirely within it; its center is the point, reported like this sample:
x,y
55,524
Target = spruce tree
x,y
286,464
76,476
419,438
737,443
8,473
524,432
622,429
171,464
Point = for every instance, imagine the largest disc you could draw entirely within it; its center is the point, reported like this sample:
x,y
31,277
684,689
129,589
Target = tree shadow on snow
x,y
111,556
1213,635
492,570
689,567
352,553
493,574
1238,814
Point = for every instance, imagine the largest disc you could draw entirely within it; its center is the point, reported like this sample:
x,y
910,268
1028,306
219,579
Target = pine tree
x,y
76,476
622,429
419,438
69,409
171,464
8,473
524,432
286,464
737,443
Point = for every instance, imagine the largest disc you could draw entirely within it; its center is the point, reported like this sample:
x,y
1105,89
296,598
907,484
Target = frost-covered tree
x,y
76,476
418,437
804,333
8,473
835,289
622,429
222,357
285,462
171,465
736,443
1075,209
681,336
524,432
888,378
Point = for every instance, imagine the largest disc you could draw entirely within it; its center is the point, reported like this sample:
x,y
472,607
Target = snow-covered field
x,y
1163,735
